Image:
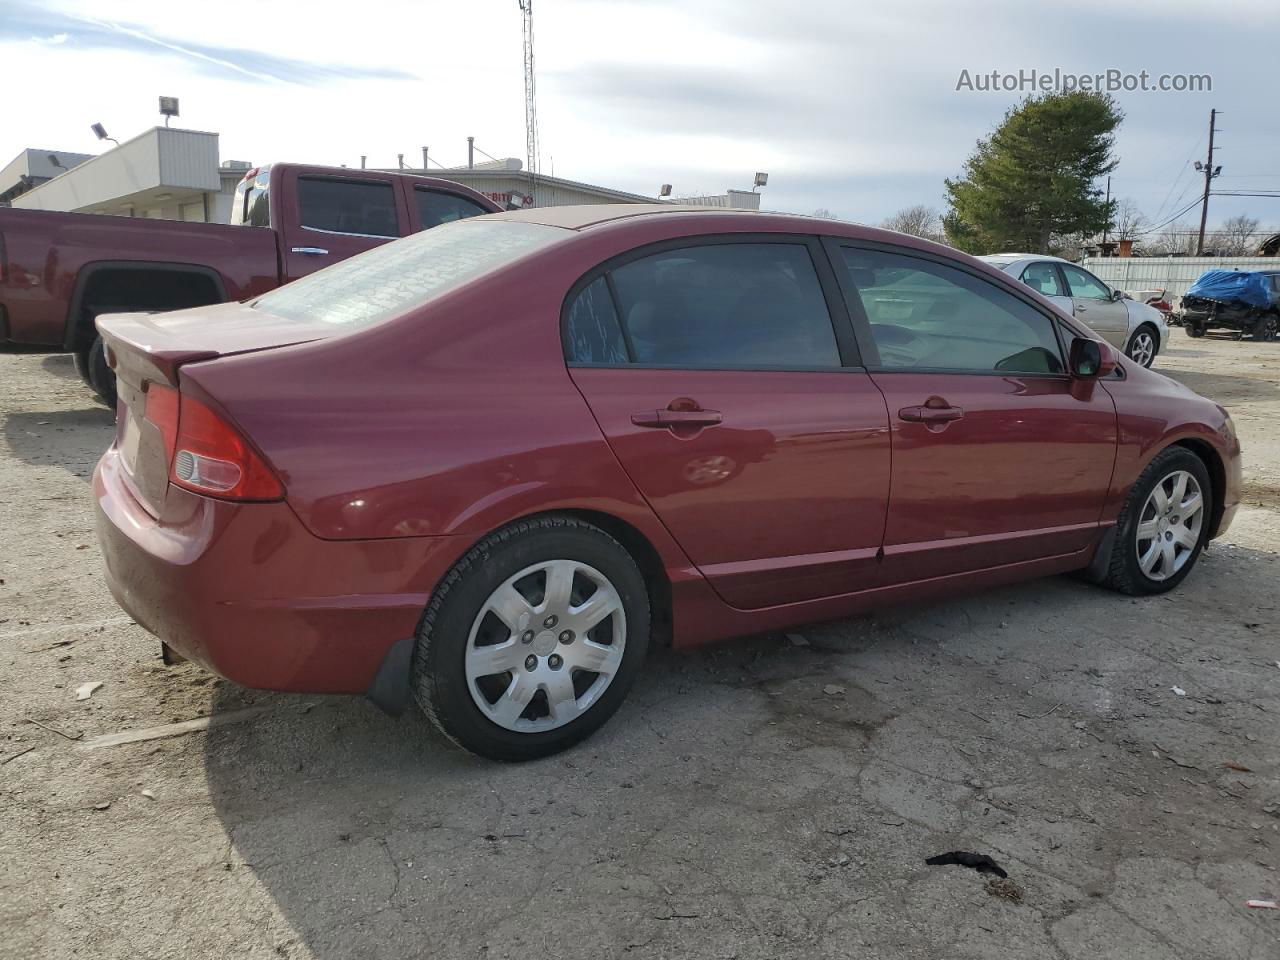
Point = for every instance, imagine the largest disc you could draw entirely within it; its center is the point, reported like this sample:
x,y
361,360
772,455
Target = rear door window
x,y
1044,278
736,305
364,208
436,207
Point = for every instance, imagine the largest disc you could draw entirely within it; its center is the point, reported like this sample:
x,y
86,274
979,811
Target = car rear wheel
x,y
1143,346
101,377
1164,525
532,640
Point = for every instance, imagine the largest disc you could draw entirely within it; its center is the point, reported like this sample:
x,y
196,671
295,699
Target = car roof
x,y
584,216
1007,258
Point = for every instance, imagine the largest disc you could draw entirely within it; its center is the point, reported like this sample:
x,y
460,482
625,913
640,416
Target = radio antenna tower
x,y
530,91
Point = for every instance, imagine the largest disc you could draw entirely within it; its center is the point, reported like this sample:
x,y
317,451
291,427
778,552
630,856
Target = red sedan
x,y
481,466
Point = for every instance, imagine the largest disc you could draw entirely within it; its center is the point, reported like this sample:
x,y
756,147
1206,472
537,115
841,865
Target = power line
x,y
1186,165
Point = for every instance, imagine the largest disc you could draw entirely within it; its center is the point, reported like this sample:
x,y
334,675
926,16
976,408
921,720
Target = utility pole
x,y
424,159
1106,226
471,152
1209,174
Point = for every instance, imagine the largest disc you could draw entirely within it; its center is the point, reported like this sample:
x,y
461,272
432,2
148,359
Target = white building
x,y
33,167
507,182
163,173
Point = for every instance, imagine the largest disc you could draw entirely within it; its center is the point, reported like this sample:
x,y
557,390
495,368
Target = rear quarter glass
x,y
392,279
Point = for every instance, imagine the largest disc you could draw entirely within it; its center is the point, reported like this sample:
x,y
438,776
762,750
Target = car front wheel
x,y
1164,525
1143,346
532,640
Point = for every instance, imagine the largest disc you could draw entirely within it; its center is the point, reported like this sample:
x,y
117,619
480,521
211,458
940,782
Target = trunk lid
x,y
148,349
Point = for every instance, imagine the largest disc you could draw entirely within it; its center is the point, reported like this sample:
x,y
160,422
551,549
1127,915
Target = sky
x,y
850,106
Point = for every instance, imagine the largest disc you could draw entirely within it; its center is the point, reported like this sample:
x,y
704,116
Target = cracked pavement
x,y
757,799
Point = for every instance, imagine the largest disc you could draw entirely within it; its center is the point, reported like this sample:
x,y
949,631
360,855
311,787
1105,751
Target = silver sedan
x,y
1135,328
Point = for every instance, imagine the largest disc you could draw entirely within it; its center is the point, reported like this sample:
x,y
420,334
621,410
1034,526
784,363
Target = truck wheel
x,y
1265,329
101,377
81,360
531,642
1193,329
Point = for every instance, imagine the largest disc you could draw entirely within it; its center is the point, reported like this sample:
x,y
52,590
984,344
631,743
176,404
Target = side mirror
x,y
1090,358
1117,295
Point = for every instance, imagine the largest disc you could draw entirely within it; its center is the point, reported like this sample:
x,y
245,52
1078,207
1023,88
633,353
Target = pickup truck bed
x,y
57,266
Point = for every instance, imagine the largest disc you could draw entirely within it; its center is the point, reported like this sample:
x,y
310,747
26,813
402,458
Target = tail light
x,y
205,453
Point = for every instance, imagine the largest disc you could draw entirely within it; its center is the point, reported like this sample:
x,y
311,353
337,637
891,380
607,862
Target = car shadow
x,y
70,439
374,835
744,794
60,365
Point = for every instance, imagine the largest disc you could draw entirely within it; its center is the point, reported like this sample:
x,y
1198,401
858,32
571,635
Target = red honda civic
x,y
481,466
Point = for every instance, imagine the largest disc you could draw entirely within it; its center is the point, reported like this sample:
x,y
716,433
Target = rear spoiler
x,y
133,350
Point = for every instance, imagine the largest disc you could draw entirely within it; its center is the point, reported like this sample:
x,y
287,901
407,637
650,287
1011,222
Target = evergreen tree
x,y
1036,177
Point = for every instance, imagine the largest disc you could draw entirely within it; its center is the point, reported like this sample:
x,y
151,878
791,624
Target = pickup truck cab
x,y
60,271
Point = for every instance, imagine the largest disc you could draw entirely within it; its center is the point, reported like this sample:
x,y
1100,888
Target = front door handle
x,y
313,251
927,414
676,418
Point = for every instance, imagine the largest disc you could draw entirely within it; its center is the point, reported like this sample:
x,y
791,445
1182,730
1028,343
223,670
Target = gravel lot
x,y
763,799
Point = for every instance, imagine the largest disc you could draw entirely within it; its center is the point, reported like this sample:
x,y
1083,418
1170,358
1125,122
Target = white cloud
x,y
849,106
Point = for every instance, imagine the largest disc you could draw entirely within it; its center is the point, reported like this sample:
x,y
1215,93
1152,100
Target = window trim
x,y
841,324
862,325
395,206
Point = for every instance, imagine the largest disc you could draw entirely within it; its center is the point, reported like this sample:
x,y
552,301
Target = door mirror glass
x,y
1090,358
1086,357
1117,295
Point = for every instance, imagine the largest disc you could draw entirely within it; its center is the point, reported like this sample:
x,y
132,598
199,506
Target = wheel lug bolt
x,y
526,637
550,621
554,662
530,662
566,636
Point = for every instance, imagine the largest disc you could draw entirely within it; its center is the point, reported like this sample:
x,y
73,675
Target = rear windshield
x,y
397,277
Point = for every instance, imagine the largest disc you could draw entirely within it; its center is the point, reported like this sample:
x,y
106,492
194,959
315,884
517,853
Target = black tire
x,y
1125,574
1193,329
439,673
101,377
81,360
1151,332
1265,329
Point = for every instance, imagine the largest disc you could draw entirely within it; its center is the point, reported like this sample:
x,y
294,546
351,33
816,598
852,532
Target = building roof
x,y
504,170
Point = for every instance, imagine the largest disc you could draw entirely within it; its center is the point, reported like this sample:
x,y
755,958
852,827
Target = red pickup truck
x,y
59,271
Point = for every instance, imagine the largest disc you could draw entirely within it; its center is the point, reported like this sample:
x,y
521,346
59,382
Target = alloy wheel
x,y
545,646
1169,525
1143,348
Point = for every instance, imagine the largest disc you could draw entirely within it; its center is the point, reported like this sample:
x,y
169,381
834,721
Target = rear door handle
x,y
313,251
930,414
676,418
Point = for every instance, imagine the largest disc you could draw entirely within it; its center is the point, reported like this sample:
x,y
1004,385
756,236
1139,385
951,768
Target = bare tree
x,y
918,221
1176,238
1237,237
824,213
1128,221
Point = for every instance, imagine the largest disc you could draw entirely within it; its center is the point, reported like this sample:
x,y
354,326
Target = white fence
x,y
1175,274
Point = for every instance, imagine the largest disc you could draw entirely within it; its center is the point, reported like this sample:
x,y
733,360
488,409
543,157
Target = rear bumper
x,y
248,592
